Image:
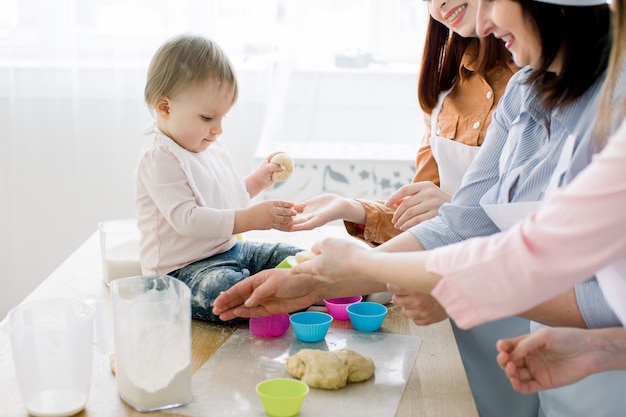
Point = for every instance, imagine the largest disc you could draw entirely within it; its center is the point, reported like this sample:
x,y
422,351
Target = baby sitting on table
x,y
190,201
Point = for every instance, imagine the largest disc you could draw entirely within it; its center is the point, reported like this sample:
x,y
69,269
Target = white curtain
x,y
72,74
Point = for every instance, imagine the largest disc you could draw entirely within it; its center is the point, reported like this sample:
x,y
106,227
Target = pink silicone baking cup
x,y
269,326
337,306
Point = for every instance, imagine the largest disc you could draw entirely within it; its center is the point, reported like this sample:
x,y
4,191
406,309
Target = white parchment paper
x,y
225,384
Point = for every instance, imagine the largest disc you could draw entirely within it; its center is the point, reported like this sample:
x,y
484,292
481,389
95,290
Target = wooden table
x,y
437,386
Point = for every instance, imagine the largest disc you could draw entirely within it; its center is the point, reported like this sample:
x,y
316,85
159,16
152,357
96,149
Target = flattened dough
x,y
329,370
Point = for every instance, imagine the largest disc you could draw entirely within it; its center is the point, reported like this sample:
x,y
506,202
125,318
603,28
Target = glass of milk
x,y
152,333
119,243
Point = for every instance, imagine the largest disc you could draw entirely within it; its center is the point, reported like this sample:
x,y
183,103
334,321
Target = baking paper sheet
x,y
225,384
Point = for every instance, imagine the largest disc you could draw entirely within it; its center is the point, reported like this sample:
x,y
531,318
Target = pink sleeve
x,y
578,231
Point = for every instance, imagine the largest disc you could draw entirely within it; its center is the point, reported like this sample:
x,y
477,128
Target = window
x,y
72,72
118,30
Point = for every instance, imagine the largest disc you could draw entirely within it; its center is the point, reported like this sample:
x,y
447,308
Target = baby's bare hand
x,y
282,214
271,214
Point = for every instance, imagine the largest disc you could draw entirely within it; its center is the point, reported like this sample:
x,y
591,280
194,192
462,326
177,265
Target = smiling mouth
x,y
452,16
508,40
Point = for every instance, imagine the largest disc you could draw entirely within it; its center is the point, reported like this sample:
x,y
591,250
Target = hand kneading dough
x,y
329,370
286,165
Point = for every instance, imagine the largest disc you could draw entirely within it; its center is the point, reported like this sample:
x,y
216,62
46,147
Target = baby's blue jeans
x,y
208,277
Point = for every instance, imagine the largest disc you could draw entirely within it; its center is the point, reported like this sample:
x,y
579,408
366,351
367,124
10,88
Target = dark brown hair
x,y
582,35
443,51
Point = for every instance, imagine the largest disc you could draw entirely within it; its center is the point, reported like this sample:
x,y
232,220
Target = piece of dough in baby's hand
x,y
286,164
329,370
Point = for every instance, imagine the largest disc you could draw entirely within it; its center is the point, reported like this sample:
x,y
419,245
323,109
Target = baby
x,y
190,201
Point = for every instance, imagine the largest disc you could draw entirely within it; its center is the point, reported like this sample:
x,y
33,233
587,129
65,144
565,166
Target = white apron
x,y
600,395
491,389
505,214
453,158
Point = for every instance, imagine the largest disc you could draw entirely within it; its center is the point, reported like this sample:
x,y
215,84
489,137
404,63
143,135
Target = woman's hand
x,y
548,358
325,208
416,203
335,260
418,306
271,291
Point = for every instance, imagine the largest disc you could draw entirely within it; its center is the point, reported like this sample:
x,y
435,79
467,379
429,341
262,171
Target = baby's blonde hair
x,y
186,60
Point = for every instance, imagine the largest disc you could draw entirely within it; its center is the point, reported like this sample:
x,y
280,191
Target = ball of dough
x,y
330,370
360,368
286,164
318,369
